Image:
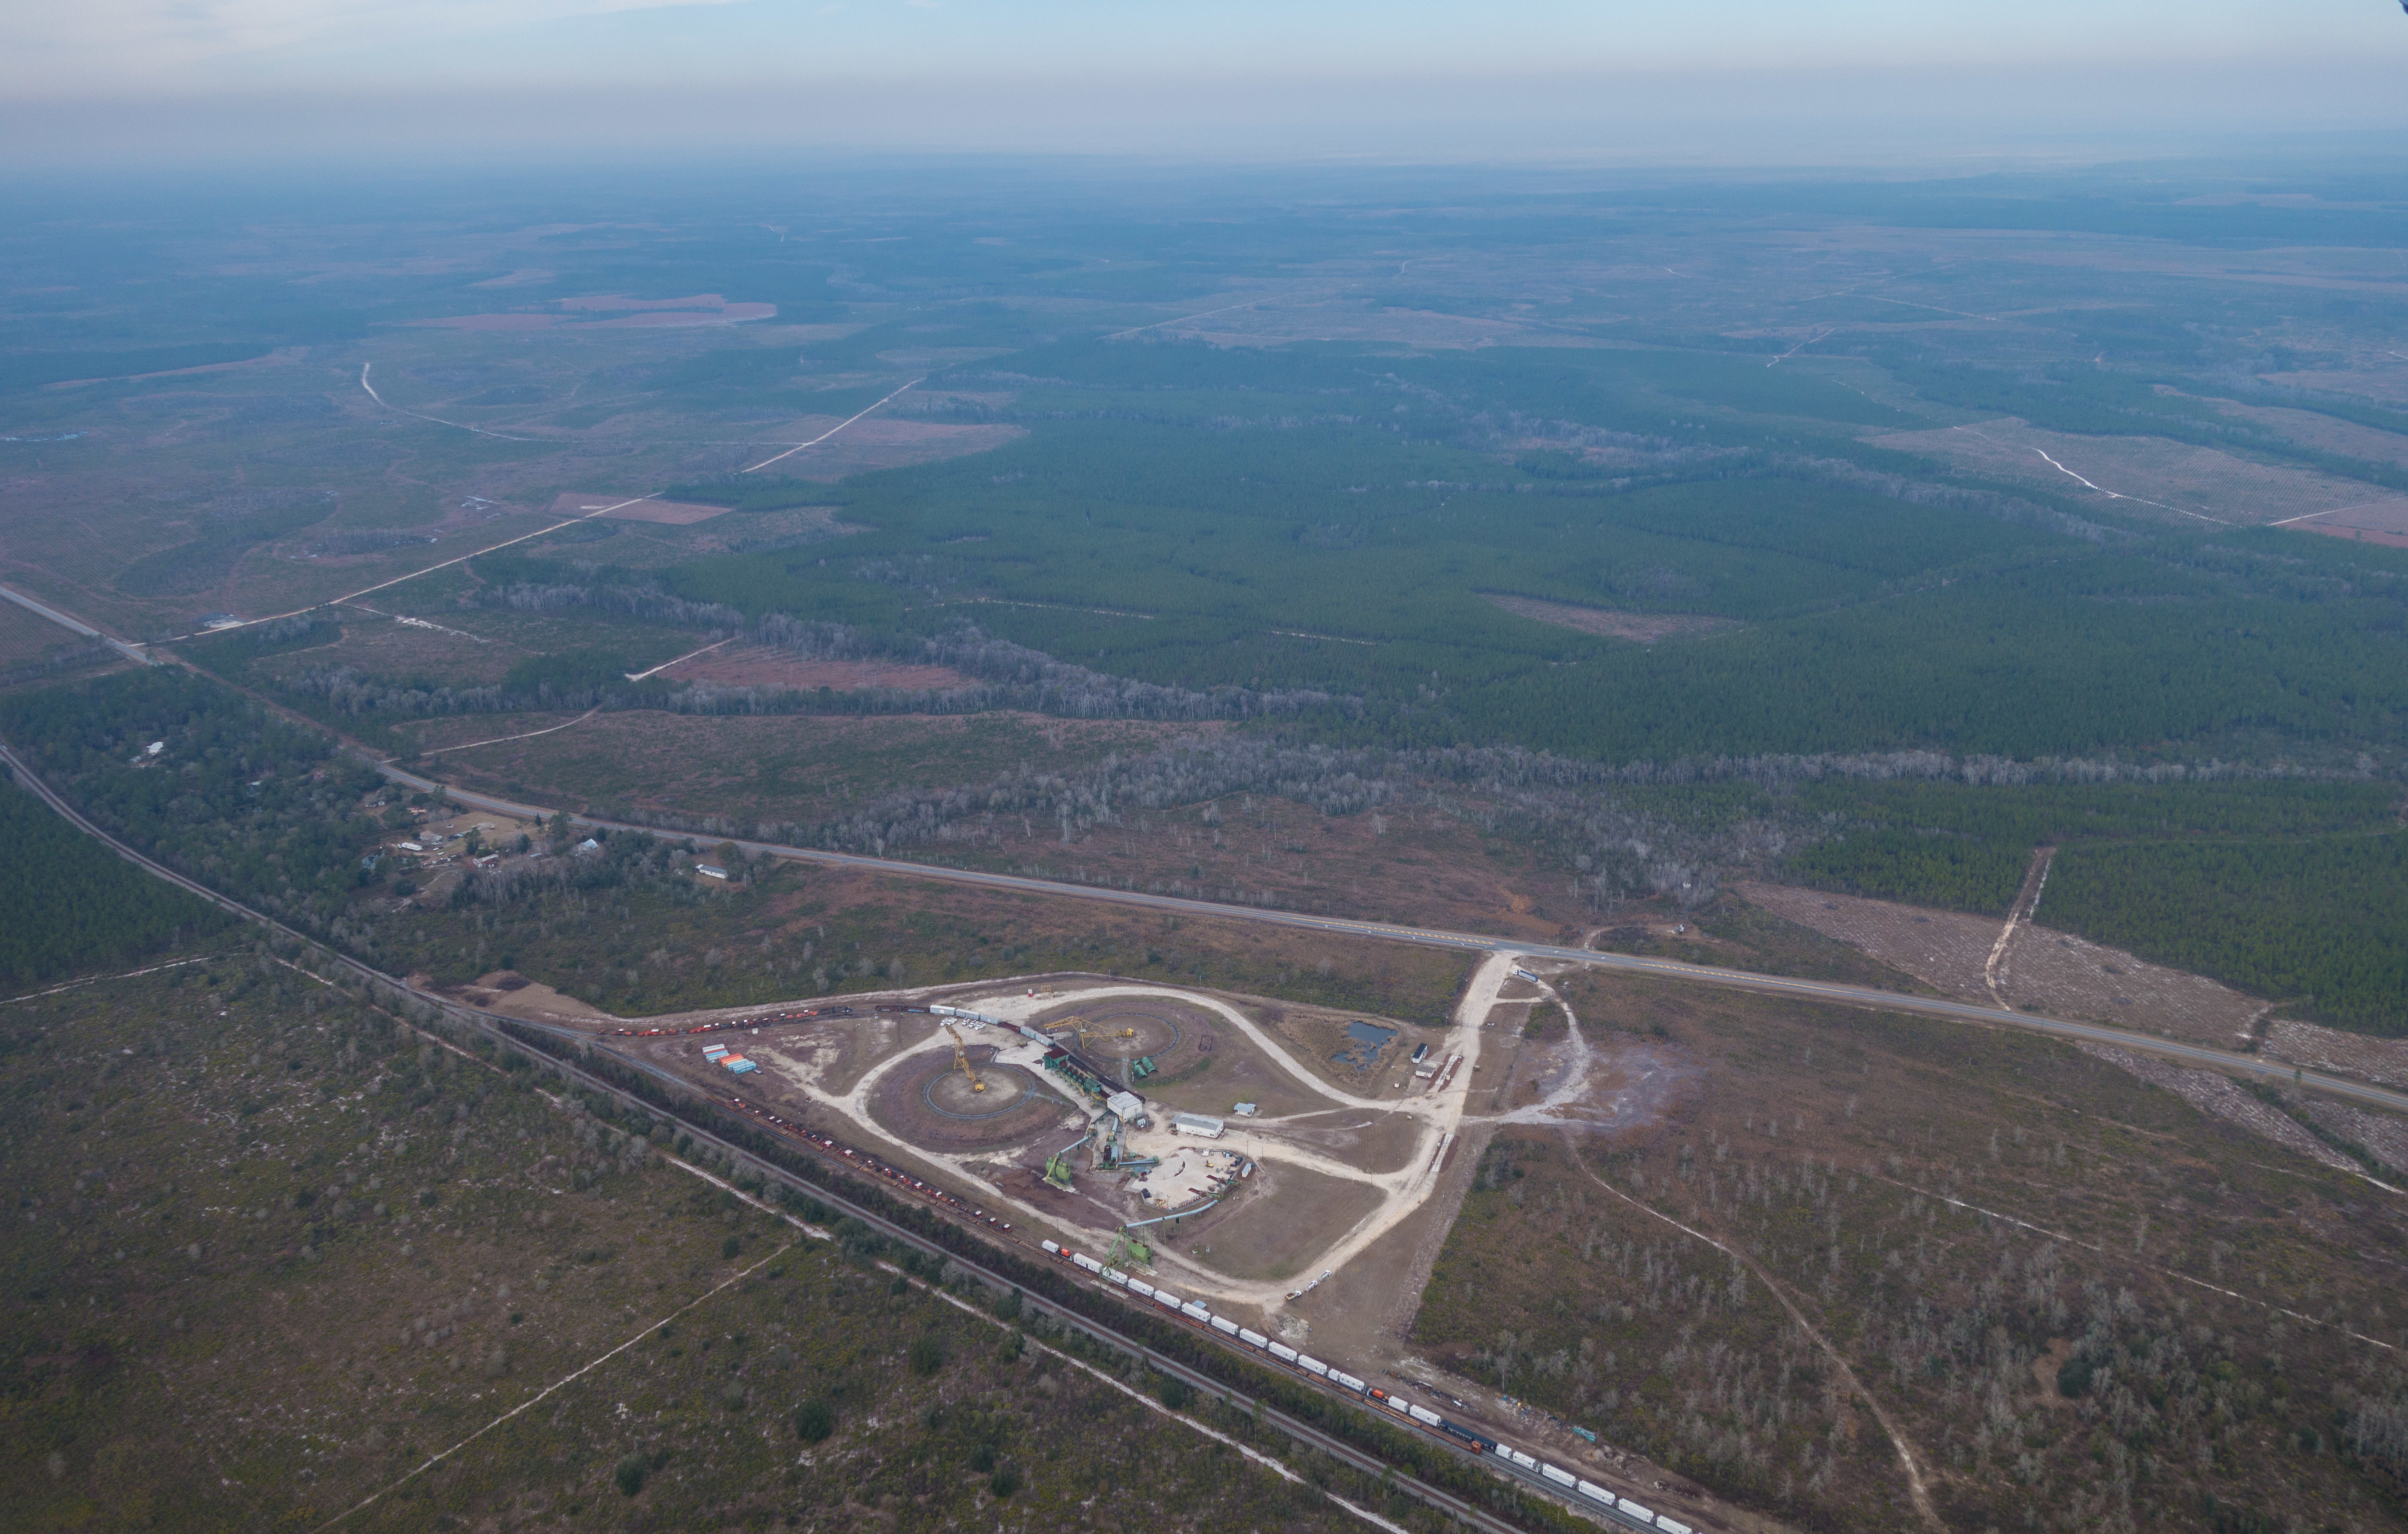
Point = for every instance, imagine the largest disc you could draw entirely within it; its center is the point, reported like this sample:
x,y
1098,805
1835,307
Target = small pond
x,y
1364,1042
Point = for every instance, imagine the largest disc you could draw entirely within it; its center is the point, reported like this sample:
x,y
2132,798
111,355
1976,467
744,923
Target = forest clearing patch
x,y
1639,628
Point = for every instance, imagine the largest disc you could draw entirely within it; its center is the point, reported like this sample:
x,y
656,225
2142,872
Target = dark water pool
x,y
1364,1043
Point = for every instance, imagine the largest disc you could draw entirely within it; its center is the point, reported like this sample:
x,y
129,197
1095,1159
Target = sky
x,y
1743,80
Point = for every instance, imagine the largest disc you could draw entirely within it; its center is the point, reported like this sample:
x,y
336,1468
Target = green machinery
x,y
1064,1066
1141,1067
1058,1166
1128,1251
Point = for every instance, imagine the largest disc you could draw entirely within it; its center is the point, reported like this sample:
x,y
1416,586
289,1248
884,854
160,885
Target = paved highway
x,y
131,652
1665,969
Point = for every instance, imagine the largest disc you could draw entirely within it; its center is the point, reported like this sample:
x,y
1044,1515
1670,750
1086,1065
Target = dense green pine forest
x,y
69,906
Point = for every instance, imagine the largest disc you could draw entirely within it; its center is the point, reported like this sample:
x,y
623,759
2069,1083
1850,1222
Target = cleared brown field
x,y
2045,969
1274,1221
1639,628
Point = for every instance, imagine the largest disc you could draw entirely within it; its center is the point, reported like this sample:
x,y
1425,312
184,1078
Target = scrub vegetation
x,y
2083,1304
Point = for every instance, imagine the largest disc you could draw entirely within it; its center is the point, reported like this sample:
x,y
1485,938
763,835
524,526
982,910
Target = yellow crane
x,y
962,1060
1079,1026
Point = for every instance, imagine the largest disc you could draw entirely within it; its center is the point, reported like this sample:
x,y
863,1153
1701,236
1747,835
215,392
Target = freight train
x,y
1200,1315
763,1021
864,1161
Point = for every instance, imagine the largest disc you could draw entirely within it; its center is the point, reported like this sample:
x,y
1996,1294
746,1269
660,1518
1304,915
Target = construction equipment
x,y
1141,1067
1058,1166
1079,1026
1128,1251
962,1060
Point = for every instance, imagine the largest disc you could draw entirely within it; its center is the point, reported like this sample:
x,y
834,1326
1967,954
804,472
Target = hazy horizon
x,y
1862,83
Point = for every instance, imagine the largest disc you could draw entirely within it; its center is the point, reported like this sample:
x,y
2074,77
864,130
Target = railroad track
x,y
495,1026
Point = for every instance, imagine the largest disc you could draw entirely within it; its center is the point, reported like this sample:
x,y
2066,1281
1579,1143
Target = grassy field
x,y
2066,1364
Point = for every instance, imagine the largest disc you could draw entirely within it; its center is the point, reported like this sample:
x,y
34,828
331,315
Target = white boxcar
x,y
1636,1509
1670,1525
1113,1275
1223,1325
1422,1414
1252,1338
1083,1260
1596,1493
1283,1353
1521,1459
1312,1364
1561,1477
1194,1310
1139,1285
1338,1376
1050,1247
1168,1300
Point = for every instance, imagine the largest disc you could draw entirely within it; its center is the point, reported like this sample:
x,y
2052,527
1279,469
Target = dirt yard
x,y
1280,1217
930,1103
